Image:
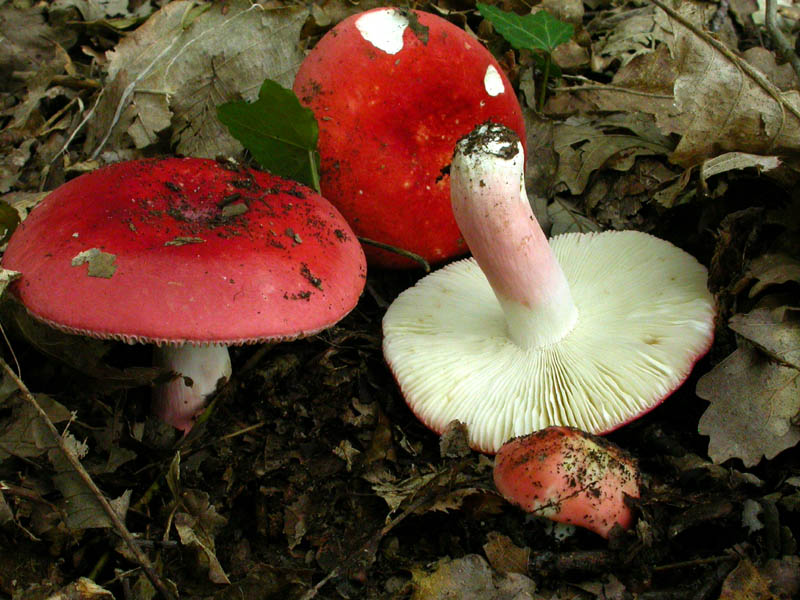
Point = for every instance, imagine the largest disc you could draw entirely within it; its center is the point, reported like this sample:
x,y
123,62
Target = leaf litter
x,y
310,478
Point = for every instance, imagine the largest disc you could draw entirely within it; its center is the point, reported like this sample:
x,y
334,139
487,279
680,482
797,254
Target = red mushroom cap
x,y
569,476
186,250
392,91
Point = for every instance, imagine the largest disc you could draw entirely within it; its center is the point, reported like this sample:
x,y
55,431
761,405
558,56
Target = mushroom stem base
x,y
199,370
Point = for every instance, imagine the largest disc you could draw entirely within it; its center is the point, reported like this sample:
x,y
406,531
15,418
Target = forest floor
x,y
309,476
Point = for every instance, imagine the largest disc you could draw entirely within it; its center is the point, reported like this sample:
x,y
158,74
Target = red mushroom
x,y
568,476
589,330
189,255
392,91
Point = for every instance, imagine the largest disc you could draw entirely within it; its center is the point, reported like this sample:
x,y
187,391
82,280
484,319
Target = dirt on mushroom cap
x,y
282,265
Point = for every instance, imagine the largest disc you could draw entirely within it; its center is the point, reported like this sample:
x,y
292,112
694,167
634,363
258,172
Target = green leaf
x,y
279,132
541,64
539,31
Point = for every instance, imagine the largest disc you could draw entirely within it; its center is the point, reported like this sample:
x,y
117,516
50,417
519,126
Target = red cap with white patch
x,y
392,91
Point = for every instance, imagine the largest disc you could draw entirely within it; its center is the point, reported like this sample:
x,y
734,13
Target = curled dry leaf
x,y
179,66
696,88
724,104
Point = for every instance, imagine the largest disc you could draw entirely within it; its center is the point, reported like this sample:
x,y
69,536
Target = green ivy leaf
x,y
539,31
279,132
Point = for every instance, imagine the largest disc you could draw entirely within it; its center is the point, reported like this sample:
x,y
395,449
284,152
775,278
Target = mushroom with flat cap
x,y
392,90
190,255
590,330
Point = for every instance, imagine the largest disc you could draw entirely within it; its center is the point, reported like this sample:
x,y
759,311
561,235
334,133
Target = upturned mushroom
x,y
568,476
392,90
190,255
589,330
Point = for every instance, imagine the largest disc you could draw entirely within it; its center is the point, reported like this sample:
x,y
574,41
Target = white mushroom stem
x,y
491,208
200,369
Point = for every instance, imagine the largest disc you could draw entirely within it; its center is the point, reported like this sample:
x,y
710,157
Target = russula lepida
x,y
569,476
590,330
392,90
188,254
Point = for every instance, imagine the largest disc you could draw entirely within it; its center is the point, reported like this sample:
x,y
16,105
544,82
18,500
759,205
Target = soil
x,y
289,469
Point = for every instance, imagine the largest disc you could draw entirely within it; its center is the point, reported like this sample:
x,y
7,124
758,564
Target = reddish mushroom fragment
x,y
392,91
568,476
589,331
190,255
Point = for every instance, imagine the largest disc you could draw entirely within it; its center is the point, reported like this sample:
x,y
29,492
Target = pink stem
x,y
492,210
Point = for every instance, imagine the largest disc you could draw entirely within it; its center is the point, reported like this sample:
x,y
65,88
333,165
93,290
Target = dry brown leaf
x,y
180,65
80,505
566,218
441,490
784,576
6,277
469,577
294,519
771,269
197,525
724,106
504,555
584,147
6,514
625,33
24,434
753,404
82,589
28,41
12,162
780,75
715,101
731,161
775,332
609,588
745,582
99,10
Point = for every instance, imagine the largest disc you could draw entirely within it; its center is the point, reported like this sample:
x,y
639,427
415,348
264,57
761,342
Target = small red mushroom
x,y
190,255
568,476
392,91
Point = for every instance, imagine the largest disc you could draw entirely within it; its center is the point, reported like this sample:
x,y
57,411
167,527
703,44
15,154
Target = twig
x,y
611,88
754,74
783,45
119,526
401,251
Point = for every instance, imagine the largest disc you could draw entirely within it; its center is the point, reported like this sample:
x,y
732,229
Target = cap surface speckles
x,y
568,476
200,253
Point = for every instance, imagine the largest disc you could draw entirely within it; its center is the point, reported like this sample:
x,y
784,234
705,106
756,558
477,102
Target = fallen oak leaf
x,y
723,103
754,402
184,61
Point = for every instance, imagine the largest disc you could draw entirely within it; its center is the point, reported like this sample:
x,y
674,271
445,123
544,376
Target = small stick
x,y
401,251
119,526
783,45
